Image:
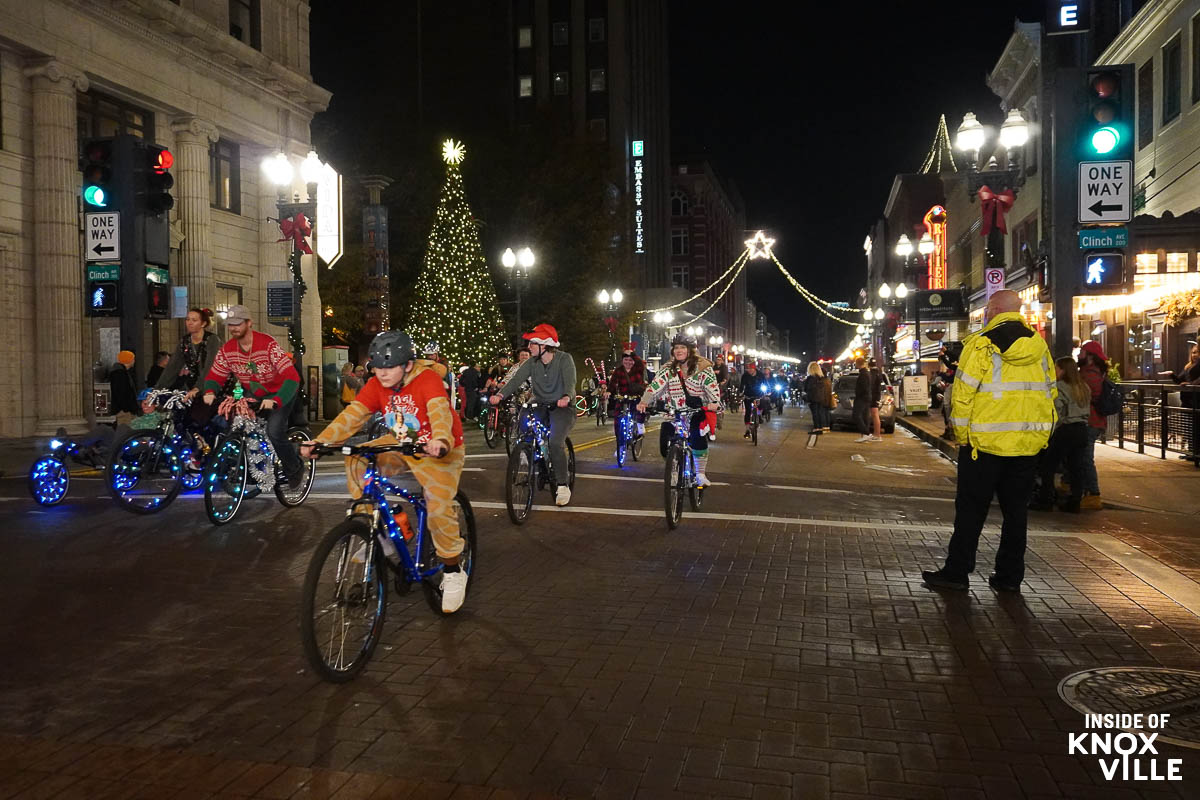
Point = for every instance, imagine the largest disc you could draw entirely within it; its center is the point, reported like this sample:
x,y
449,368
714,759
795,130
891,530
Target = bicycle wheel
x,y
570,464
144,473
191,460
673,485
491,431
519,488
635,447
466,559
49,479
344,601
619,430
225,484
284,493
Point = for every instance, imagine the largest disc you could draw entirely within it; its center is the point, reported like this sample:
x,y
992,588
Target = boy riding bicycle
x,y
412,398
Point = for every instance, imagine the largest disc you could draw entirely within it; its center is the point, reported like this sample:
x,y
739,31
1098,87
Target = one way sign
x,y
1105,191
103,241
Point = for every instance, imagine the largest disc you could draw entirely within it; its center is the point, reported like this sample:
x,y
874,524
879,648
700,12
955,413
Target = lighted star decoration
x,y
453,152
760,246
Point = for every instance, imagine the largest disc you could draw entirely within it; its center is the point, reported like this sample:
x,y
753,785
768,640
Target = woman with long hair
x,y
818,392
1093,368
193,358
1070,439
688,381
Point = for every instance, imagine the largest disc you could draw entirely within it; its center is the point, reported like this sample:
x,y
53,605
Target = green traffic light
x,y
1106,139
95,196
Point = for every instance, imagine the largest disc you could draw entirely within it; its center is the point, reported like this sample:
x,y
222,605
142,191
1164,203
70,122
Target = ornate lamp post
x,y
996,188
518,265
610,301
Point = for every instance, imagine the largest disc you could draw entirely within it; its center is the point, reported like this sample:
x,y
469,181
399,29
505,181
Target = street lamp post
x,y
894,298
971,138
610,301
297,220
518,265
662,319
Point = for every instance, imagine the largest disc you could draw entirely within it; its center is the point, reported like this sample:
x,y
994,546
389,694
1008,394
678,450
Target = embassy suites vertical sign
x,y
638,151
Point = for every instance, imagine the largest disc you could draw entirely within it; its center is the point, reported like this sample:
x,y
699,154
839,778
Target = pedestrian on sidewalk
x,y
123,385
1069,441
1003,415
876,399
818,393
861,410
1189,398
1093,367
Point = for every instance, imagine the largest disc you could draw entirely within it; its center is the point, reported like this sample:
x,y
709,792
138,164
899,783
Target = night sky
x,y
809,109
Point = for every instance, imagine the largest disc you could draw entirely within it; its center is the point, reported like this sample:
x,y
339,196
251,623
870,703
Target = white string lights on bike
x,y
175,399
259,453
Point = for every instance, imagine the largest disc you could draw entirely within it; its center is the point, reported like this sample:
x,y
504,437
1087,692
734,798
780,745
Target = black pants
x,y
862,416
1069,443
560,421
1010,479
277,428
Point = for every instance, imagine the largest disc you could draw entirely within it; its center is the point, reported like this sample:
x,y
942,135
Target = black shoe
x,y
945,580
296,479
746,435
1002,585
1040,505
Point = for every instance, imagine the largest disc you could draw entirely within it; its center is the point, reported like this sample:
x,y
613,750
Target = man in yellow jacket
x,y
1002,411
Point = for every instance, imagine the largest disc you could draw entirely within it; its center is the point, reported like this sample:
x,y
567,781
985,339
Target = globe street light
x,y
518,265
610,301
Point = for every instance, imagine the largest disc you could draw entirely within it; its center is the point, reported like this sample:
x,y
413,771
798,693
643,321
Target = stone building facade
x,y
223,84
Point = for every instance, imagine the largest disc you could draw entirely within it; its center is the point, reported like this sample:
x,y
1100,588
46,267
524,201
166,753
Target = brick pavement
x,y
159,657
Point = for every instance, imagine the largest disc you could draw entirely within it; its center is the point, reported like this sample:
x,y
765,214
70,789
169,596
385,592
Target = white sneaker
x,y
702,479
454,591
862,439
562,496
875,439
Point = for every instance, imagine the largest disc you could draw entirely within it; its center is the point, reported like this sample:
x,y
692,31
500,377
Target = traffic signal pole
x,y
1064,252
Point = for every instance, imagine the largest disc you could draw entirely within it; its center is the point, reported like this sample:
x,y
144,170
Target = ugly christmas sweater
x,y
265,371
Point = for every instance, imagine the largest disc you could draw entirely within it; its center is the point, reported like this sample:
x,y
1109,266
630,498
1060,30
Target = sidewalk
x,y
1128,479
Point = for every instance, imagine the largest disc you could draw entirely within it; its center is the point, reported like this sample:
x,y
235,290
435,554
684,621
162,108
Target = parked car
x,y
842,414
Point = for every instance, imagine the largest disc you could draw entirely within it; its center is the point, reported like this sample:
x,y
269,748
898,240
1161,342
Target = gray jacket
x,y
170,372
1069,410
550,382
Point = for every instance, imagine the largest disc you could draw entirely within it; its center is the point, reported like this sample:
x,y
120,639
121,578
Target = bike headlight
x,y
55,444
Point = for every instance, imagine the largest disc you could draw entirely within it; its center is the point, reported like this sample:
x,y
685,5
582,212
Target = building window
x,y
679,241
1024,244
596,29
1172,78
558,33
561,83
1177,262
227,297
224,176
598,130
245,22
679,204
100,115
679,276
1146,263
525,86
596,80
1196,59
1145,104
524,37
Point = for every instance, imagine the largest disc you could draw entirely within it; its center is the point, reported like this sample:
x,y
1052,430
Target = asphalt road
x,y
778,644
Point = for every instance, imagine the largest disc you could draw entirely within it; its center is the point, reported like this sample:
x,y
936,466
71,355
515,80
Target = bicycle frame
x,y
375,491
683,425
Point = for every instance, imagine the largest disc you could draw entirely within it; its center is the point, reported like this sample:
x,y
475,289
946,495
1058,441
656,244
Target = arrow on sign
x,y
101,249
1099,207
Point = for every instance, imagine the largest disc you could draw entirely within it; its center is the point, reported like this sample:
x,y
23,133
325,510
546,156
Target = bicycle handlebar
x,y
404,448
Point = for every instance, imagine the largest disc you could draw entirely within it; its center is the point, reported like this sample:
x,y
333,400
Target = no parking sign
x,y
993,278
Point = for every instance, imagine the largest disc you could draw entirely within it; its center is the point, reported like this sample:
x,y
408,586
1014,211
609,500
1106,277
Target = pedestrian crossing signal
x,y
103,299
1103,272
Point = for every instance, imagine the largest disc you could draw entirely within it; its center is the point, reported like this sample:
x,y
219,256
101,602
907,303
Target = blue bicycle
x,y
625,427
529,463
344,601
679,475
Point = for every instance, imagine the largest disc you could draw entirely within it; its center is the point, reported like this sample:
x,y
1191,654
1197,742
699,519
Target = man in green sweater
x,y
551,375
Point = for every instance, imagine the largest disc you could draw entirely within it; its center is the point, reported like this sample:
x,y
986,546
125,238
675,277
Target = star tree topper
x,y
760,245
453,152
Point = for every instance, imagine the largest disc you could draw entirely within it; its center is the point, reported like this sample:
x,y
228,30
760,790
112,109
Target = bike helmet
x,y
391,349
683,338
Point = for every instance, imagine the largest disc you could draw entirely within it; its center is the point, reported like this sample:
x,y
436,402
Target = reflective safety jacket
x,y
1004,390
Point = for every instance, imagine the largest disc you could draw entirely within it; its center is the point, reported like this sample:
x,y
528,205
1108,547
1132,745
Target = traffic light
x,y
1103,272
1107,131
97,168
103,299
159,179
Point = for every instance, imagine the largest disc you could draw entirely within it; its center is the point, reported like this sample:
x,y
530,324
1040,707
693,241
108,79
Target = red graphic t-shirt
x,y
408,407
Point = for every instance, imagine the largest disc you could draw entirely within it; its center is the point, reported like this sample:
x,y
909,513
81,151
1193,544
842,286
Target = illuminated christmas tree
x,y
455,302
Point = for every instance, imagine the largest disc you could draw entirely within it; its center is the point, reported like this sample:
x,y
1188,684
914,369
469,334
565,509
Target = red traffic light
x,y
164,160
1106,84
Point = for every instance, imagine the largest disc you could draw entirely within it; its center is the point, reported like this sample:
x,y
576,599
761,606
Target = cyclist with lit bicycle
x,y
627,380
410,395
754,388
688,381
267,374
551,374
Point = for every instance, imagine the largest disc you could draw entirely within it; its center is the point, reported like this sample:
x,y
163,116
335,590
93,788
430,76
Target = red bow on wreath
x,y
611,322
994,207
295,229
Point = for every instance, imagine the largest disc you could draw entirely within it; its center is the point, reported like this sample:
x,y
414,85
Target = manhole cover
x,y
1140,690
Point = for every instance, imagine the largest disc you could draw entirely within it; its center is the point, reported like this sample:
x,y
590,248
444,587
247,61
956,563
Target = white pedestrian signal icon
x,y
98,298
1095,271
